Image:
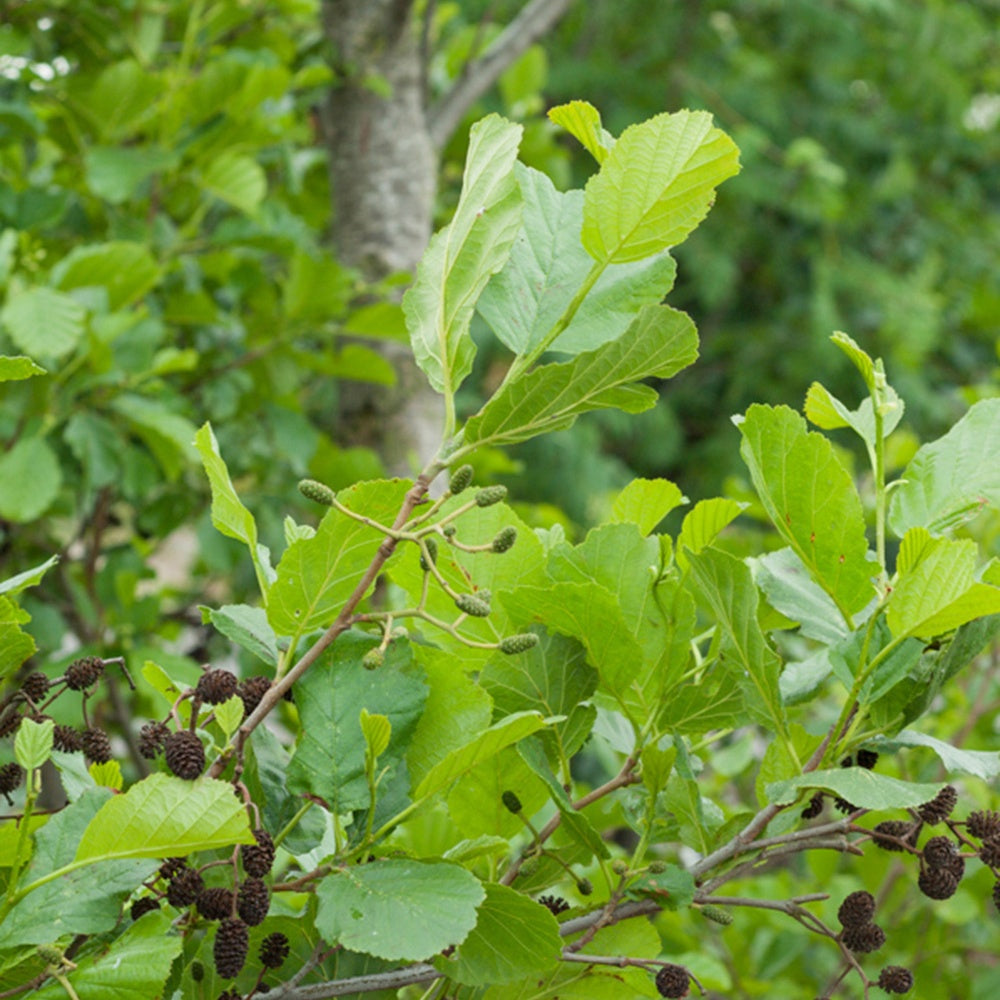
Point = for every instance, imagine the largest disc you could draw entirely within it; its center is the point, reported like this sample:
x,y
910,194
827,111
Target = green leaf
x,y
125,270
237,180
13,369
655,186
984,764
486,745
514,936
15,646
812,502
935,590
163,816
646,502
790,589
317,288
726,586
317,575
715,703
229,715
547,267
951,479
376,730
107,775
168,435
859,358
115,172
30,478
824,410
122,96
33,743
706,521
398,909
44,323
863,788
14,585
660,342
329,757
247,627
583,122
673,889
232,519
683,798
136,967
462,257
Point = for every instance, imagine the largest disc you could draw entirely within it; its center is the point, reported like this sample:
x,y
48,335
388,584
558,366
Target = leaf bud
x,y
460,479
584,887
373,659
432,551
449,531
472,605
504,539
511,802
619,866
317,492
490,495
657,867
512,644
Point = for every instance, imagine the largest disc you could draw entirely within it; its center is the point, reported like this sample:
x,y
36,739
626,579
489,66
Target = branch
x,y
536,19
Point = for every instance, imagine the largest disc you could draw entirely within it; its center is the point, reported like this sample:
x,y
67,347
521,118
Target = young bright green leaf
x,y
660,342
398,909
726,586
376,730
229,715
136,968
697,822
860,359
583,122
44,323
329,757
655,186
790,589
462,257
984,764
673,889
107,775
865,789
486,745
229,516
936,590
247,627
33,743
811,501
30,478
14,585
646,502
513,937
316,575
238,180
14,369
125,270
163,816
951,479
705,522
547,267
15,646
824,410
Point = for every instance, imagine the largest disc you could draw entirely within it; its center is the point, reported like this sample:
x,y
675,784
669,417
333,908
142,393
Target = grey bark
x,y
383,142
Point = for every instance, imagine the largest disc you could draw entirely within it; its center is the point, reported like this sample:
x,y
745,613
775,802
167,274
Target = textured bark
x,y
383,169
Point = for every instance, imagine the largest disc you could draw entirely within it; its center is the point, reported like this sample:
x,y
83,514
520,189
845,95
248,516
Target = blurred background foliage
x,y
164,212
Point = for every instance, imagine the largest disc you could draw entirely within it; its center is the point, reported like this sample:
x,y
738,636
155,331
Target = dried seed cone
x,y
940,852
814,808
152,736
939,808
258,858
184,888
996,895
67,739
232,995
867,759
937,883
989,852
216,686
555,905
35,686
96,745
983,824
232,941
143,905
317,492
864,939
895,979
11,775
673,981
84,673
184,754
253,901
215,903
9,722
273,950
171,867
857,909
842,805
251,691
891,828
